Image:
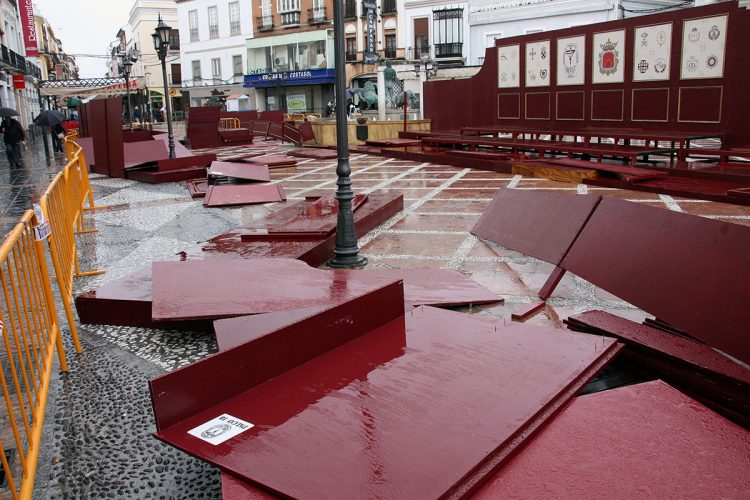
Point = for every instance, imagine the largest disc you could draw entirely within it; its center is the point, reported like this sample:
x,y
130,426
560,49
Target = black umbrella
x,y
49,118
8,112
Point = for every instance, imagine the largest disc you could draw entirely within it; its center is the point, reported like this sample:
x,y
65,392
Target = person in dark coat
x,y
58,138
13,137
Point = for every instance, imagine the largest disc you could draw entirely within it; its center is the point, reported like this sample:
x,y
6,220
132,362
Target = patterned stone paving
x,y
97,441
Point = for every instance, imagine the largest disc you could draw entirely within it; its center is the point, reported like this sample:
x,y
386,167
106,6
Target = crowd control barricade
x,y
29,337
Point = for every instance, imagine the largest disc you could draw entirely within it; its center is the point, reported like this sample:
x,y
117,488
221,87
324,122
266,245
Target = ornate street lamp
x,y
427,65
161,44
127,66
346,251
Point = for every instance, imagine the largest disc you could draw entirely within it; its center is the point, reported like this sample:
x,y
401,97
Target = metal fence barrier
x,y
30,336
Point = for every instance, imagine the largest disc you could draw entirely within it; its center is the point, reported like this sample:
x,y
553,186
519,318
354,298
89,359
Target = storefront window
x,y
288,57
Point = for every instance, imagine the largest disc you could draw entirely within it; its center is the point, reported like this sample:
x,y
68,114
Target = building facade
x,y
290,59
144,16
213,48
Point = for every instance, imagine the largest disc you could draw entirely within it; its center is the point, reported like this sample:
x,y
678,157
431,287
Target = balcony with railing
x,y
416,53
213,31
389,6
194,35
10,59
316,15
290,19
351,56
234,28
264,23
453,49
389,53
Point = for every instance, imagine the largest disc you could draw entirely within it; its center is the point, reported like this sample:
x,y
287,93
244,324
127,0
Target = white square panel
x,y
609,57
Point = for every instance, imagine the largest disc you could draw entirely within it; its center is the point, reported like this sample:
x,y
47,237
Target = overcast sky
x,y
86,27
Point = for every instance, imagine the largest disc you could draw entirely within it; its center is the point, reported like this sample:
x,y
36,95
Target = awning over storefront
x,y
286,78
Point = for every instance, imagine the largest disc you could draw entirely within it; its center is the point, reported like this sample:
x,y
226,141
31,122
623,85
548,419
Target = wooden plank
x,y
560,173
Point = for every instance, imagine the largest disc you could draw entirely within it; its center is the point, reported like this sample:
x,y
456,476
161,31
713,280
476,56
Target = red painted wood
x,y
316,153
182,162
136,136
197,187
160,176
543,225
233,488
686,187
253,286
127,301
684,269
231,332
87,144
397,390
142,152
629,173
392,142
528,311
641,441
244,171
243,194
549,286
179,150
111,130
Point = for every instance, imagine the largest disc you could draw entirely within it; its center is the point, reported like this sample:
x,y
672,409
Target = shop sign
x,y
296,102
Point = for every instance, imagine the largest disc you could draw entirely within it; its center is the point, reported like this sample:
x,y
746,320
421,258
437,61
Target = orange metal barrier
x,y
30,336
229,123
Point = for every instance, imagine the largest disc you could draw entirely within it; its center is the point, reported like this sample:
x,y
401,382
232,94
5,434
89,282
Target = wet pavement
x,y
97,440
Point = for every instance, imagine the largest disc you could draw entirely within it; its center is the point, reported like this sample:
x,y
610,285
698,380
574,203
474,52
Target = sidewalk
x,y
97,438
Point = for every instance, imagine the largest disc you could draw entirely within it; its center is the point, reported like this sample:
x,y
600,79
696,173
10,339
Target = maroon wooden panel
x,y
432,287
87,144
650,105
509,106
537,106
626,442
97,114
571,105
700,104
136,136
281,284
409,388
483,103
316,153
306,132
245,171
113,130
608,105
127,301
139,153
204,114
184,162
180,151
543,225
163,176
233,488
684,269
243,194
197,187
625,171
271,116
274,161
393,141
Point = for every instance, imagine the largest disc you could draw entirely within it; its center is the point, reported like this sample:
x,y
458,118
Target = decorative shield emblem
x,y
660,66
643,66
609,58
713,35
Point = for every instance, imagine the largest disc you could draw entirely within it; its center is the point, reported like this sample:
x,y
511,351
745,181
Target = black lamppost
x,y
127,66
346,251
161,44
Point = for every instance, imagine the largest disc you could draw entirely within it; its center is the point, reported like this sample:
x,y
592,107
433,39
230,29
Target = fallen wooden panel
x,y
243,194
316,217
642,441
382,390
689,271
543,225
244,171
560,173
127,301
180,151
197,187
392,142
686,187
739,193
626,172
315,153
433,287
716,380
144,152
179,163
163,176
229,288
274,161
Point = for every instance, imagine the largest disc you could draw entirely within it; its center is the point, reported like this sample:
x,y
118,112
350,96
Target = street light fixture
x,y
161,44
346,251
427,65
127,67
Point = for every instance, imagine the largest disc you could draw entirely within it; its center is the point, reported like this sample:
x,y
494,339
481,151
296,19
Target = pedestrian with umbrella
x,y
53,119
13,136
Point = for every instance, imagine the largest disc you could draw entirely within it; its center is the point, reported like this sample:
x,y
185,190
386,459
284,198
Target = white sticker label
x,y
42,231
220,429
39,213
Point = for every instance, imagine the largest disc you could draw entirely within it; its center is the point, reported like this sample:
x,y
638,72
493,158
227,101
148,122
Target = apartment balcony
x,y
213,31
235,28
390,53
443,50
194,35
389,7
290,19
317,15
11,60
264,23
416,53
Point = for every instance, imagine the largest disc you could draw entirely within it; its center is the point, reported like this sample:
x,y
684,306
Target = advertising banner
x,y
29,28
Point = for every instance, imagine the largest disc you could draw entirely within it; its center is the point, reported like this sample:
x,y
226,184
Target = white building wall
x,y
225,47
415,9
143,20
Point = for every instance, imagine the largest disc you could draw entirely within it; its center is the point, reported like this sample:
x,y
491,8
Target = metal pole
x,y
346,251
130,113
163,57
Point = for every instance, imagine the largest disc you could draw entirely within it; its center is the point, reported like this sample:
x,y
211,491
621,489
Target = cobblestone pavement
x,y
97,439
